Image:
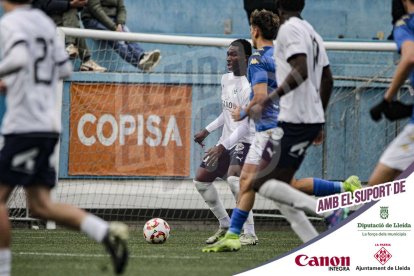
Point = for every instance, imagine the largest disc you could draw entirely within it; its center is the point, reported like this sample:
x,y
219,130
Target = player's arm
x,y
326,86
392,109
241,131
295,78
14,59
200,136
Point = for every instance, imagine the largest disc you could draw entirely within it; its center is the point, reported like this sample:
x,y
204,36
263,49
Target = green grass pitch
x,y
61,252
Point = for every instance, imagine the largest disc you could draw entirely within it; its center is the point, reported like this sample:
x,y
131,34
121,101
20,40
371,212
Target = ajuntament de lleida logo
x,y
384,212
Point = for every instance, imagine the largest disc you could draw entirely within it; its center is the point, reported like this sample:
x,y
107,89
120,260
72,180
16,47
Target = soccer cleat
x,y
149,60
115,243
91,65
72,51
221,232
229,243
352,184
336,217
248,239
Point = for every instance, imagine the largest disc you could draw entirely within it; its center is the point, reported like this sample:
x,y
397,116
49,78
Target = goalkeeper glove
x,y
376,111
396,110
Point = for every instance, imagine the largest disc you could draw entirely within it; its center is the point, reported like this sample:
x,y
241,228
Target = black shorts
x,y
26,159
235,156
295,141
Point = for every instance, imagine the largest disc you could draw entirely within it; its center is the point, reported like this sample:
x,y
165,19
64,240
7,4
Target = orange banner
x,y
130,130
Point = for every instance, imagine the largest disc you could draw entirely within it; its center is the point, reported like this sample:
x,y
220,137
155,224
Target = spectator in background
x,y
65,14
397,11
111,15
251,5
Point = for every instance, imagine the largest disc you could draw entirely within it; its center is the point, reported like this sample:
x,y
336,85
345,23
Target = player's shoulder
x,y
226,77
257,57
403,21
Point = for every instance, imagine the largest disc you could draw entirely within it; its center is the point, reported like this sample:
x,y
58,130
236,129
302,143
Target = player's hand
x,y
396,110
319,139
235,114
199,137
119,28
78,3
213,155
3,87
376,111
256,112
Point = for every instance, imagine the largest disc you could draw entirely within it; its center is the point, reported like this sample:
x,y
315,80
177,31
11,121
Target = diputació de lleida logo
x,y
384,212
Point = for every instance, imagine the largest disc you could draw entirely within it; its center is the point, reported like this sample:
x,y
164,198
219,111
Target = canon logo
x,y
304,260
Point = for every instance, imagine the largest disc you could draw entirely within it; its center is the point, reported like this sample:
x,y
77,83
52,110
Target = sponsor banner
x,y
130,130
376,242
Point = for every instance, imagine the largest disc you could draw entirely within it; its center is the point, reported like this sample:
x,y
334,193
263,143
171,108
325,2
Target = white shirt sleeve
x,y
293,41
15,59
240,132
216,123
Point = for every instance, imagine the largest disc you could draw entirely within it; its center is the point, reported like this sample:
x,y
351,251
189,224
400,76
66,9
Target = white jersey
x,y
235,92
303,104
31,91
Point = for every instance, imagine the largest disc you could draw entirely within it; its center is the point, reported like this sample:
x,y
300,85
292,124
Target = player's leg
x,y
322,187
245,203
396,158
113,236
382,174
293,146
204,184
238,155
5,232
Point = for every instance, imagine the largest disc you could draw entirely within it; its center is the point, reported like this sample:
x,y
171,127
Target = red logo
x,y
304,260
383,256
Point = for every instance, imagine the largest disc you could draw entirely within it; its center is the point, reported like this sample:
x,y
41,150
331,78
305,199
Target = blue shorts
x,y
26,159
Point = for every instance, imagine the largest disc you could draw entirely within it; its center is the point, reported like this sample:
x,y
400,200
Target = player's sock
x,y
5,262
282,192
299,222
209,193
234,183
238,218
323,187
96,228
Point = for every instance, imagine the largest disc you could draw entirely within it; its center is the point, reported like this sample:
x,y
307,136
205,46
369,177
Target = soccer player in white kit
x,y
226,158
33,60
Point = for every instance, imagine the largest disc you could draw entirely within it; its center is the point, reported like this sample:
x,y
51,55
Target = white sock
x,y
96,228
234,183
299,222
209,193
281,192
5,262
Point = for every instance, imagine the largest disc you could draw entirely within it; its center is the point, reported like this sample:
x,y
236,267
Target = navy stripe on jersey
x,y
18,42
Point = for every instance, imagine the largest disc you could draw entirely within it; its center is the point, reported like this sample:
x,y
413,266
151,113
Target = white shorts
x,y
400,153
259,142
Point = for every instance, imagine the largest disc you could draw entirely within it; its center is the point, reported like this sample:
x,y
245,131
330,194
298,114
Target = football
x,y
156,230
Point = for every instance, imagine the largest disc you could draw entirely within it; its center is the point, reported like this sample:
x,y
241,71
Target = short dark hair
x,y
292,5
243,44
267,22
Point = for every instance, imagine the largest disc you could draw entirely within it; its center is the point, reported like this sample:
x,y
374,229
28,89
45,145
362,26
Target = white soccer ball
x,y
156,230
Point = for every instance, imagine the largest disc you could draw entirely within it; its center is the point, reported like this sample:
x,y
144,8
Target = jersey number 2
x,y
43,67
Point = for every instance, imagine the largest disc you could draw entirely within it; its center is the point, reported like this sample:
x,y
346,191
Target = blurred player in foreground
x,y
33,60
400,153
226,159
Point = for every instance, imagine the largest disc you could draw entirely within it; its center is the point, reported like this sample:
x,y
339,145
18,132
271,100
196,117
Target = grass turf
x,y
60,252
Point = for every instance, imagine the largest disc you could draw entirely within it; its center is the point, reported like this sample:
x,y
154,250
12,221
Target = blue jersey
x,y
262,69
404,31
